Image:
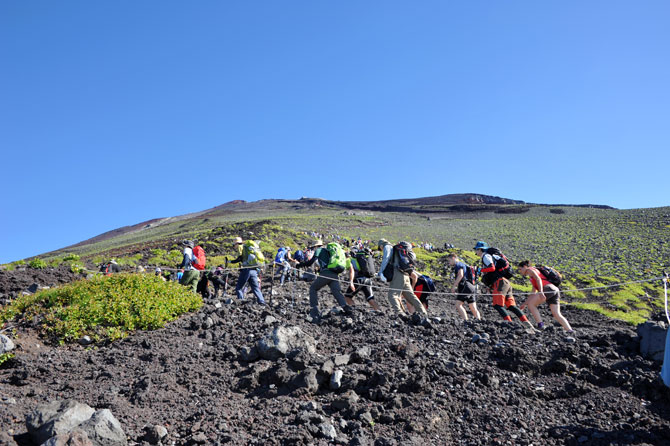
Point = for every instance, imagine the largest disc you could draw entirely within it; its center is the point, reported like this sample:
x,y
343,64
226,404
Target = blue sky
x,y
113,113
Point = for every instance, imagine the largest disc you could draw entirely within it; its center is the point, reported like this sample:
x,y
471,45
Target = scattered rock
x,y
341,360
6,344
283,340
57,417
104,429
154,434
336,380
652,340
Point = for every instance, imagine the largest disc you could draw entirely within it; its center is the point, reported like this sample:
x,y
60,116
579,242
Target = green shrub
x,y
6,357
37,264
104,307
71,258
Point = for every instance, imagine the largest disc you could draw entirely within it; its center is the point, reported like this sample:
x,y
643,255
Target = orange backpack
x,y
200,260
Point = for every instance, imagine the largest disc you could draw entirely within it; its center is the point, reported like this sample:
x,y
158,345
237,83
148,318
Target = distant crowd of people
x,y
322,264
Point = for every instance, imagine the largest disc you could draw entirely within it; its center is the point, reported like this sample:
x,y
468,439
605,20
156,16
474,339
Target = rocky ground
x,y
214,378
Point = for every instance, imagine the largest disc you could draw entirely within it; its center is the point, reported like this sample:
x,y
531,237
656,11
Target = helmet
x,y
481,245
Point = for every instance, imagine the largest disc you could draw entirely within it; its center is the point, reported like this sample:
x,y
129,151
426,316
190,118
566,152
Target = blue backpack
x,y
281,254
299,256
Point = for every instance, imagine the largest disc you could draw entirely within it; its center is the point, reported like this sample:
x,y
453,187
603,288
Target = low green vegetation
x,y
104,308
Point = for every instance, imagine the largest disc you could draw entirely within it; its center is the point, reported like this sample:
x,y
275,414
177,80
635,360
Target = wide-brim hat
x,y
188,243
481,245
315,243
237,241
382,242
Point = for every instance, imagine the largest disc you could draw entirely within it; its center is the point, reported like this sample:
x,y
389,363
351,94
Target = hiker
x,y
361,268
302,256
545,291
158,272
219,280
397,262
109,268
422,285
191,275
250,256
282,260
331,265
496,270
464,287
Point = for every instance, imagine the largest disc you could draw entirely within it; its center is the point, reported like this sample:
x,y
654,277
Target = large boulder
x,y
104,429
283,340
57,417
74,438
652,340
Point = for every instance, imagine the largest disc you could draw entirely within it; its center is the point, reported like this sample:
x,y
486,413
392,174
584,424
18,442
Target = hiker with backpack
x,y
191,274
423,286
361,268
496,272
282,260
398,263
545,283
464,287
251,258
110,268
331,260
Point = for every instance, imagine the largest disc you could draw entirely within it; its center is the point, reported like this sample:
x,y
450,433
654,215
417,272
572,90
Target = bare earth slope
x,y
415,384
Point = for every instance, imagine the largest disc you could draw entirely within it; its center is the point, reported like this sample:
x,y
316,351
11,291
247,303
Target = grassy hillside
x,y
591,247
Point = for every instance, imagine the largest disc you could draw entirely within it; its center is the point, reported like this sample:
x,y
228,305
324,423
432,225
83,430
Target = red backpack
x,y
200,260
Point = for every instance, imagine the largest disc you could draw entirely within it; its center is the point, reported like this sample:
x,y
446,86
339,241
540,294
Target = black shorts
x,y
467,292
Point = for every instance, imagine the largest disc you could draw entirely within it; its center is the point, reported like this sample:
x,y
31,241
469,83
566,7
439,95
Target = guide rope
x,y
438,293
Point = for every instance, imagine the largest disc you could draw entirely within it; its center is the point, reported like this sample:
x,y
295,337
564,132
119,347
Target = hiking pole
x,y
272,283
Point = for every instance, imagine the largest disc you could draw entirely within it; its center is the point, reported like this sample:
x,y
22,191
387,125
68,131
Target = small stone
x,y
570,340
6,344
85,340
269,320
476,338
200,438
341,360
328,431
336,380
209,323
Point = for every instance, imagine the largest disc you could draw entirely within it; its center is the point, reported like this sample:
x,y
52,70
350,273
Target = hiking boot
x,y
416,318
348,310
541,326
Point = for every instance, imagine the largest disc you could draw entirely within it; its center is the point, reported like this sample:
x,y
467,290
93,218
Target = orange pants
x,y
502,293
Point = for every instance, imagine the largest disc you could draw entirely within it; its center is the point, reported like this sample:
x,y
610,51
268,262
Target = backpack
x,y
553,276
299,256
252,254
200,259
406,257
428,284
502,265
422,289
281,254
470,274
337,259
366,264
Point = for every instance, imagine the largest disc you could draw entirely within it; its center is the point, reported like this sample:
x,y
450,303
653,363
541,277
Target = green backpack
x,y
337,258
252,254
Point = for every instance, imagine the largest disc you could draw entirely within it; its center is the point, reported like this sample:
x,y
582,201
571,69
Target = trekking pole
x,y
272,282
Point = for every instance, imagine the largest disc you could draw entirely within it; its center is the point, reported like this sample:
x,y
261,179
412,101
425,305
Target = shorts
x,y
502,293
467,292
552,293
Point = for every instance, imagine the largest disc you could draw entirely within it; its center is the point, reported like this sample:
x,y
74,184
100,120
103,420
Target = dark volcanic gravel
x,y
415,384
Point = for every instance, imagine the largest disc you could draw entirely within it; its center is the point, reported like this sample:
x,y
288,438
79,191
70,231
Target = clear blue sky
x,y
116,112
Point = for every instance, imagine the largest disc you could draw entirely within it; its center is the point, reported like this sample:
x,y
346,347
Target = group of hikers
x,y
408,291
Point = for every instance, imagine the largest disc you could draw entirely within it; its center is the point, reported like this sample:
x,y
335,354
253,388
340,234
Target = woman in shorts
x,y
544,291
